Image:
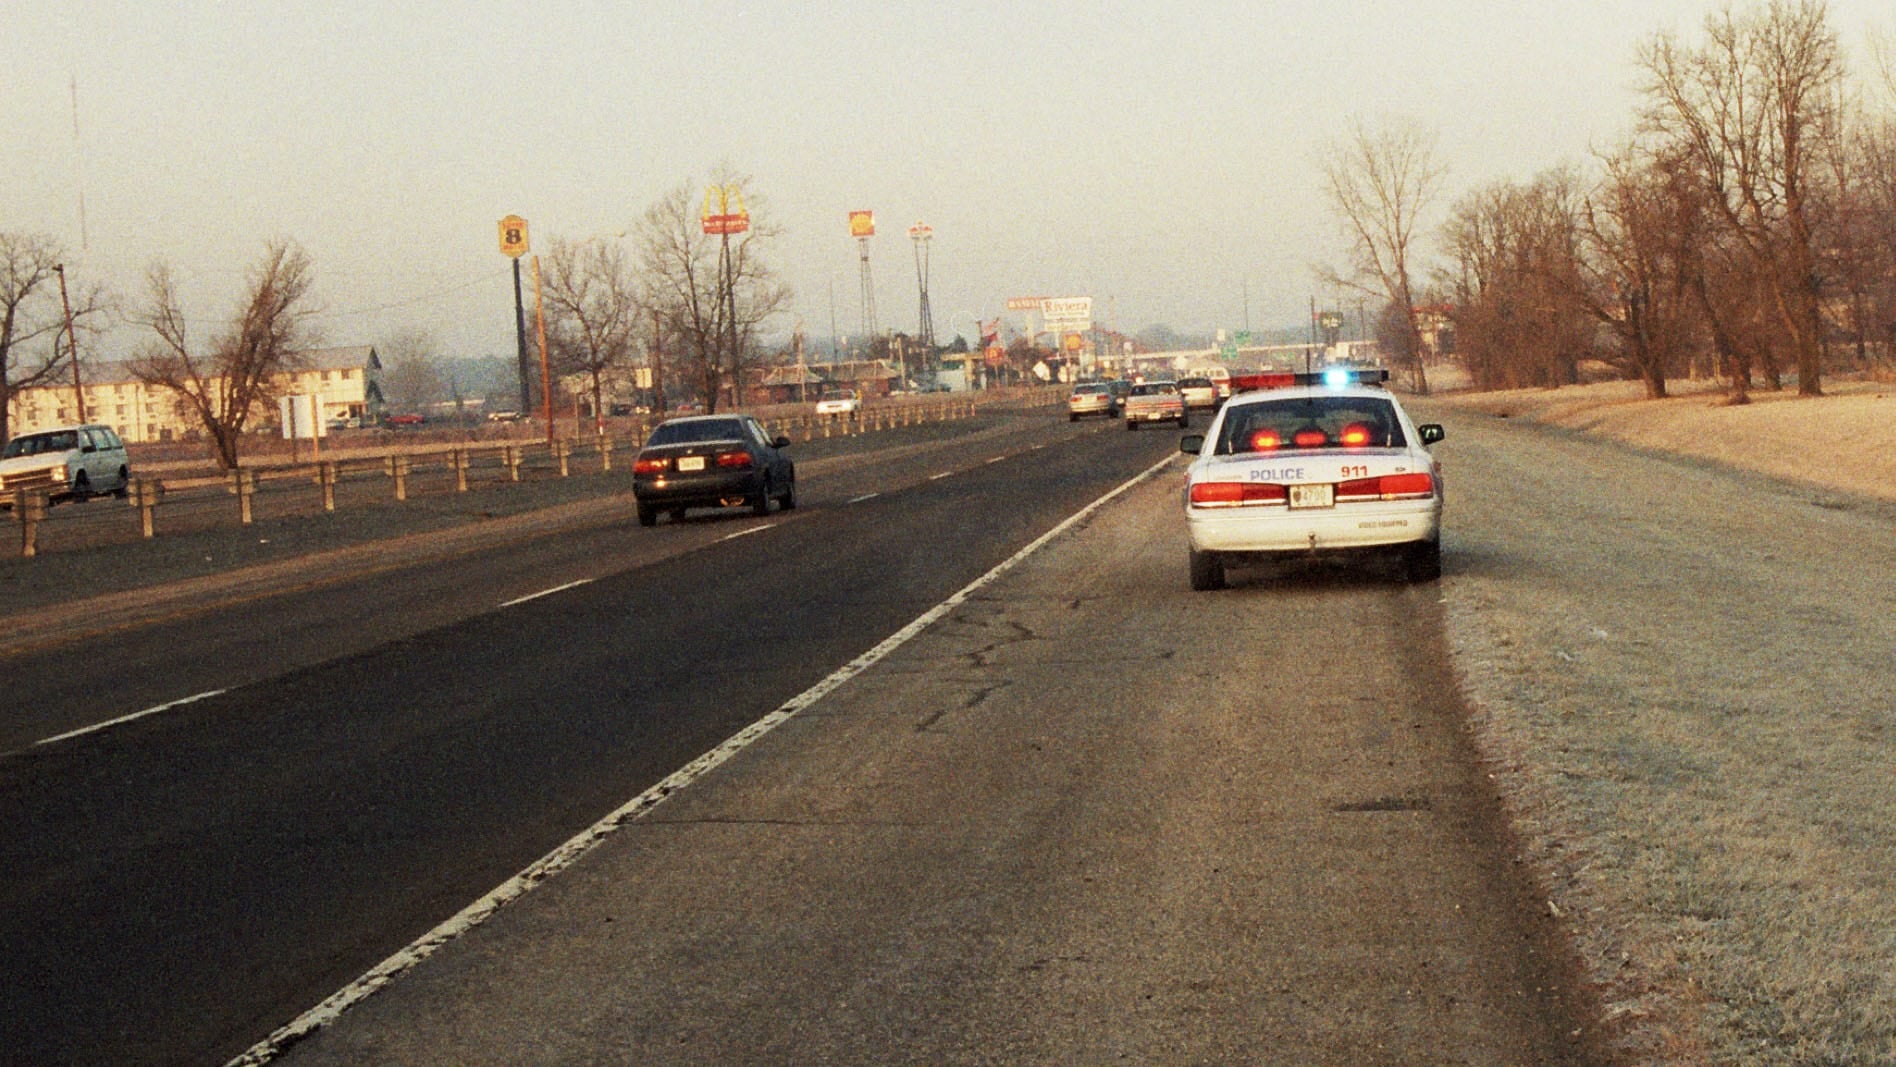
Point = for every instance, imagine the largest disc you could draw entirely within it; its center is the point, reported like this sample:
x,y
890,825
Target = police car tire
x,y
1208,571
1423,561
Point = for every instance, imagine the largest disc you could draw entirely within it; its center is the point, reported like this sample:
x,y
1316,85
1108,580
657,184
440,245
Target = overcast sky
x,y
1159,156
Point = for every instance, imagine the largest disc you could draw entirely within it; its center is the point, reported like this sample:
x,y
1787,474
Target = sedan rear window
x,y
1311,422
684,433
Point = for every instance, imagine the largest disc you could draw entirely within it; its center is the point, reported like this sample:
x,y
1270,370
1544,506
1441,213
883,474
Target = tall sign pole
x,y
513,244
862,226
922,233
729,218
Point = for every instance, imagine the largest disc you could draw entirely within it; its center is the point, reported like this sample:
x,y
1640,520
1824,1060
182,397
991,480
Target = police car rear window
x,y
1310,423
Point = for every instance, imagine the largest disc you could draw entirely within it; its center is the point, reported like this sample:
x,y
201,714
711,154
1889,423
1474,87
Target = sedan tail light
x,y
650,465
734,460
1237,494
1417,486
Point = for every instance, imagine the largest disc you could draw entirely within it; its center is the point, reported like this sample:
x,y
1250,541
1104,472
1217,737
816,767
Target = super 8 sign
x,y
513,236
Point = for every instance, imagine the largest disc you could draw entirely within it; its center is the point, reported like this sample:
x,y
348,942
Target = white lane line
x,y
747,533
95,727
939,477
860,499
545,592
997,459
638,807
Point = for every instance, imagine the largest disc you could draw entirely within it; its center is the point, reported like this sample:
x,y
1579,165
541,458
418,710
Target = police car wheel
x,y
1422,561
1208,571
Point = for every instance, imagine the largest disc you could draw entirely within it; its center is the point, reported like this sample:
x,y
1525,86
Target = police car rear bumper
x,y
1274,529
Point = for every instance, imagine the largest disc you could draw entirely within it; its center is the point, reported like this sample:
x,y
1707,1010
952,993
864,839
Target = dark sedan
x,y
712,461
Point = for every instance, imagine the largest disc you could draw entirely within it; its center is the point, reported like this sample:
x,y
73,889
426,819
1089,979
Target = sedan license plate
x,y
696,463
1313,496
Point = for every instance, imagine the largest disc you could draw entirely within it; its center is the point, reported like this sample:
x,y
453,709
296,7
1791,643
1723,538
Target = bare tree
x,y
710,305
34,347
1380,183
414,376
1752,108
225,383
595,317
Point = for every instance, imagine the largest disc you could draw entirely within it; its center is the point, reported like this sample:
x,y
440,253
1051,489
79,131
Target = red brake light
x,y
1266,441
734,460
1310,439
654,465
1418,486
1237,494
1355,435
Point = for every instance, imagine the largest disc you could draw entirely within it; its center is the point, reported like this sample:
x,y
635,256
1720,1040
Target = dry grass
x,y
1697,732
1845,440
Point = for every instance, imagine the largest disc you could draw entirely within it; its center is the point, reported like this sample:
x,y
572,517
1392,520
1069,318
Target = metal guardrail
x,y
197,502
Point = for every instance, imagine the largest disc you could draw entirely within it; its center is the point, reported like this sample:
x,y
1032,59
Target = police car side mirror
x,y
1431,432
1191,444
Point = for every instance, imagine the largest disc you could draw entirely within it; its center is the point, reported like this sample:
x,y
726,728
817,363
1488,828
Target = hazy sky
x,y
1159,156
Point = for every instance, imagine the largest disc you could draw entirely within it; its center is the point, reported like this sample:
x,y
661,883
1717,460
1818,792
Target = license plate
x,y
696,463
1313,496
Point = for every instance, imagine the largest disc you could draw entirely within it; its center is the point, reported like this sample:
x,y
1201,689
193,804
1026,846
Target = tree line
x,y
690,303
1744,230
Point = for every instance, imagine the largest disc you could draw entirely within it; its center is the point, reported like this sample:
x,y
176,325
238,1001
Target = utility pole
x,y
72,342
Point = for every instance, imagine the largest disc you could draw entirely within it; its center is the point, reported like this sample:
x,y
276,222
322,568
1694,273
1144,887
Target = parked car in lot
x,y
712,461
1156,402
1092,398
1299,468
66,463
404,421
844,403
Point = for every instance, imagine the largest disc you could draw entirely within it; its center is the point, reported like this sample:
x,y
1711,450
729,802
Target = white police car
x,y
1312,464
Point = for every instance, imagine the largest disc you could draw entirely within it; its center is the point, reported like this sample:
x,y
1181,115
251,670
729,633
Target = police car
x,y
1312,464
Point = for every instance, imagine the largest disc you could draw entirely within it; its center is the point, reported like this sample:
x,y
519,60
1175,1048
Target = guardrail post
x,y
510,455
397,467
605,453
459,456
562,449
145,499
31,508
244,483
326,473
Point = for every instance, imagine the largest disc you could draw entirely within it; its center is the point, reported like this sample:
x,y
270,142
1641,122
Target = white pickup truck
x,y
839,404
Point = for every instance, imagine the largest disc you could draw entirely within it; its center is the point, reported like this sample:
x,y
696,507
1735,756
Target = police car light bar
x,y
1333,377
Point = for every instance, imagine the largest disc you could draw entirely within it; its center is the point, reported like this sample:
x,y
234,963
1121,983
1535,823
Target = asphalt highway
x,y
374,753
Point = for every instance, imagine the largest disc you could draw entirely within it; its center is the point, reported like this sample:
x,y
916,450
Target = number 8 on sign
x,y
513,236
